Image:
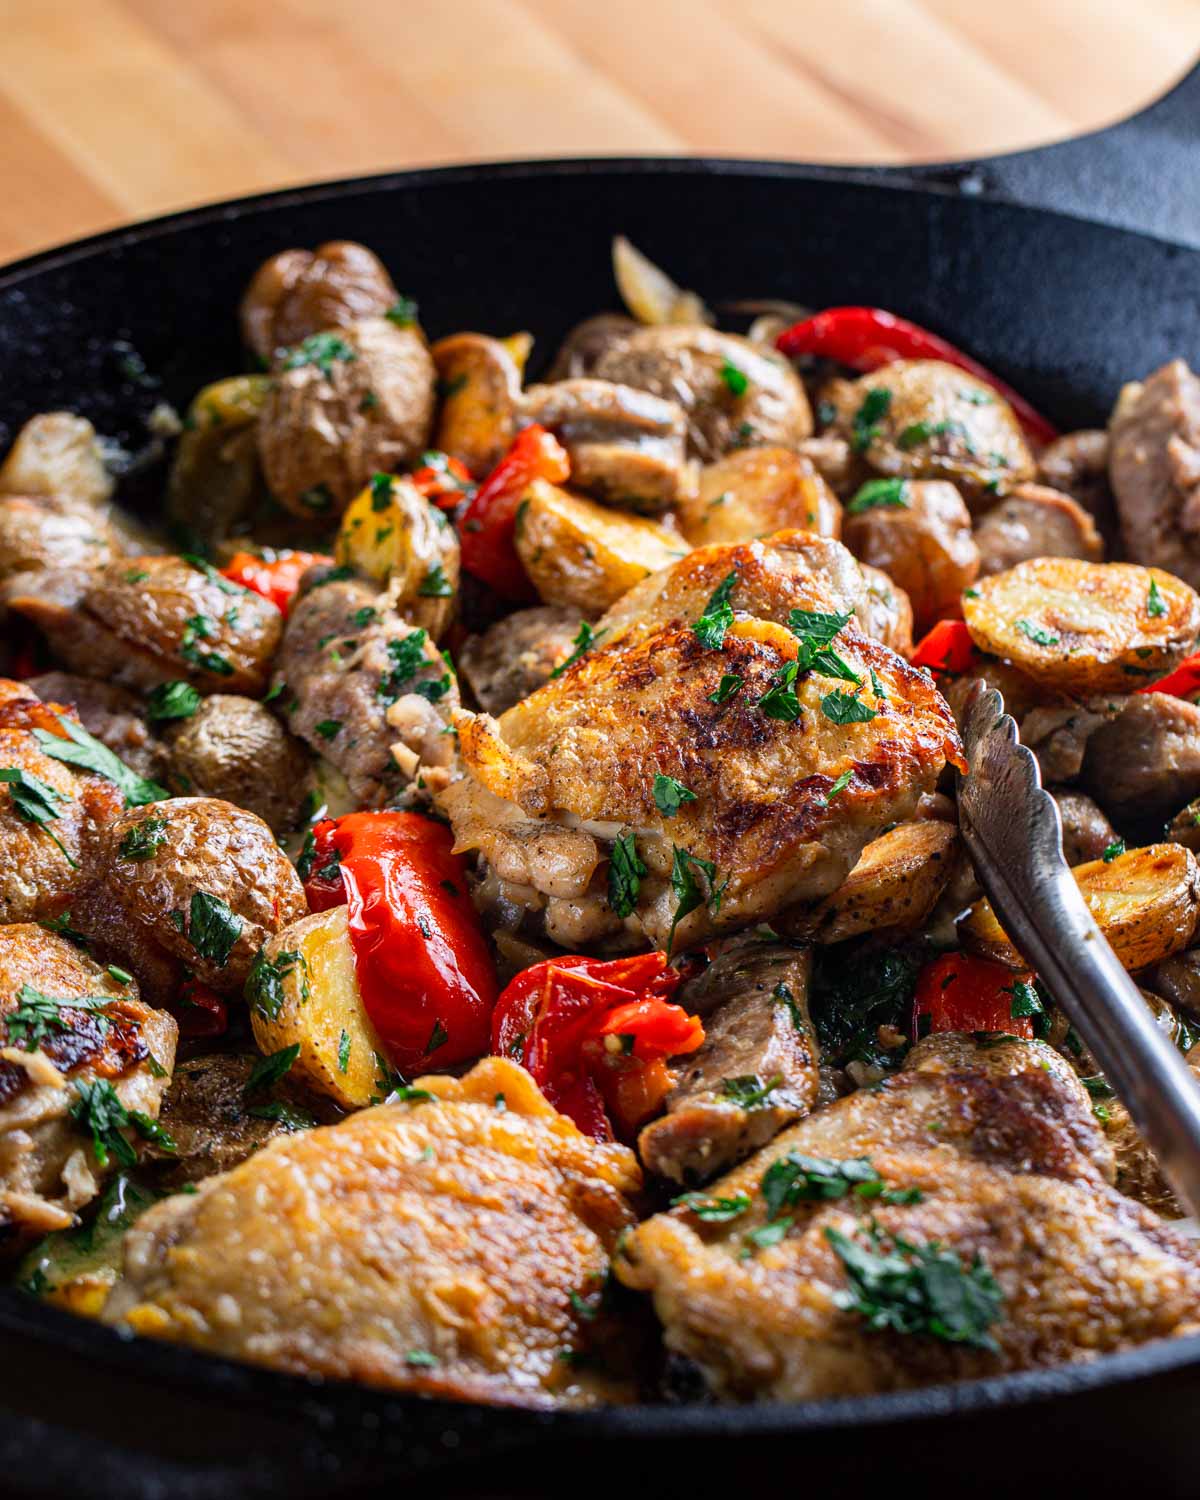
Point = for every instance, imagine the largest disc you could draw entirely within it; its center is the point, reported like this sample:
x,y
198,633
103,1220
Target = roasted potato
x,y
1145,902
1082,627
586,555
918,532
36,532
393,534
216,479
199,879
303,990
922,419
342,406
301,292
756,491
145,620
57,453
480,386
893,887
234,749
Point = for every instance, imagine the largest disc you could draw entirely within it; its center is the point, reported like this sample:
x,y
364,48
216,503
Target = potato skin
x,y
482,391
304,989
57,453
324,431
207,846
215,479
401,539
924,545
37,532
586,555
755,491
298,292
1145,903
234,749
1081,627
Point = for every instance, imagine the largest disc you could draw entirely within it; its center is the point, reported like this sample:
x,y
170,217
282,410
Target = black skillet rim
x,y
181,1368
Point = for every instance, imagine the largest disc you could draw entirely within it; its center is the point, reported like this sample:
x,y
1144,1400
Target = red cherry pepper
x,y
866,338
948,647
596,1034
443,480
422,961
959,993
489,524
1183,682
276,581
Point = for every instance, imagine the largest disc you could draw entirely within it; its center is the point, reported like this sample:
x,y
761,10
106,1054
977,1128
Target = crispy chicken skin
x,y
47,1166
441,1245
586,747
1009,1164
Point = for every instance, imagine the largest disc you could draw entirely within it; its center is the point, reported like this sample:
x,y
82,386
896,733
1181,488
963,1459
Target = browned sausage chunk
x,y
517,654
1035,522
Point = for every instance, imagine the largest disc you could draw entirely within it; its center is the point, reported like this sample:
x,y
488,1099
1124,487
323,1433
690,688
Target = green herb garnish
x,y
879,494
710,628
670,795
625,871
172,700
86,753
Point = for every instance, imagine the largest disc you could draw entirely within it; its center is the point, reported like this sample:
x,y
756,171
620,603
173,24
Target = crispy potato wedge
x,y
303,989
586,555
1145,903
479,379
392,534
753,492
1084,627
894,886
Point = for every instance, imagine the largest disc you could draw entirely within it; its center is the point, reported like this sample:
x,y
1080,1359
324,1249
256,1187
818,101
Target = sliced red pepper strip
x,y
444,480
276,581
948,647
867,338
1183,682
423,964
595,1035
488,528
960,993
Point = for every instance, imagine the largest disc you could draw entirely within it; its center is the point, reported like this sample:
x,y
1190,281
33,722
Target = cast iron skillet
x,y
1004,256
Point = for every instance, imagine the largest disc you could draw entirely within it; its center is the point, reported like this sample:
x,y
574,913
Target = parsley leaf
x,y
213,928
82,750
1156,606
36,1013
435,584
264,983
879,493
320,349
408,657
269,1070
1036,634
838,787
1113,851
780,700
1025,1001
144,839
737,382
749,1091
625,871
381,492
845,708
290,1116
98,1110
585,639
796,1178
34,801
710,628
687,890
865,425
343,1053
438,1037
669,795
201,628
328,729
730,683
403,312
713,1210
172,700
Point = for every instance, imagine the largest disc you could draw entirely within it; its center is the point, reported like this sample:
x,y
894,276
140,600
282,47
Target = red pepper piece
x,y
489,524
200,1011
866,338
443,480
1183,682
595,1035
960,993
948,647
276,581
422,961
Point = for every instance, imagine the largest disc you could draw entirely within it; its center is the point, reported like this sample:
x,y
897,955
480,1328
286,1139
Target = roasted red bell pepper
x,y
596,1034
200,1011
276,581
443,480
1183,682
959,993
489,525
866,338
948,647
422,961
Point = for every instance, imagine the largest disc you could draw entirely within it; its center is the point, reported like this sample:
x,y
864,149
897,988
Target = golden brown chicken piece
x,y
1017,1253
65,1069
454,1244
790,774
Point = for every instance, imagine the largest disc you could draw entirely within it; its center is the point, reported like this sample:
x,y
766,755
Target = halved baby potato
x,y
1145,903
303,990
390,532
894,886
586,555
1083,627
753,492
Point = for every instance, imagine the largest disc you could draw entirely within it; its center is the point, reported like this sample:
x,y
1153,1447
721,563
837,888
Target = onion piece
x,y
649,293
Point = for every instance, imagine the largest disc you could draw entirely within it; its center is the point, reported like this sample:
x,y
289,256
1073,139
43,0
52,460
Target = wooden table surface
x,y
119,109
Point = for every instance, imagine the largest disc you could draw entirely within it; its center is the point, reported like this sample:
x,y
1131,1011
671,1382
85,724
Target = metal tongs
x,y
1013,832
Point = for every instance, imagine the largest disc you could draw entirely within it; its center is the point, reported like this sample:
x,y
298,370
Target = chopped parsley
x,y
435,584
37,1013
796,1178
670,795
290,1116
86,753
381,492
403,312
213,928
1036,634
264,983
865,425
856,993
749,1091
710,628
782,995
1113,851
713,1210
917,1289
816,632
420,1359
1025,999
879,494
172,700
838,787
98,1110
363,617
687,890
200,628
780,700
585,639
438,1037
729,684
323,350
343,1052
737,382
1156,606
144,839
845,708
408,657
328,729
625,871
269,1070
34,801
